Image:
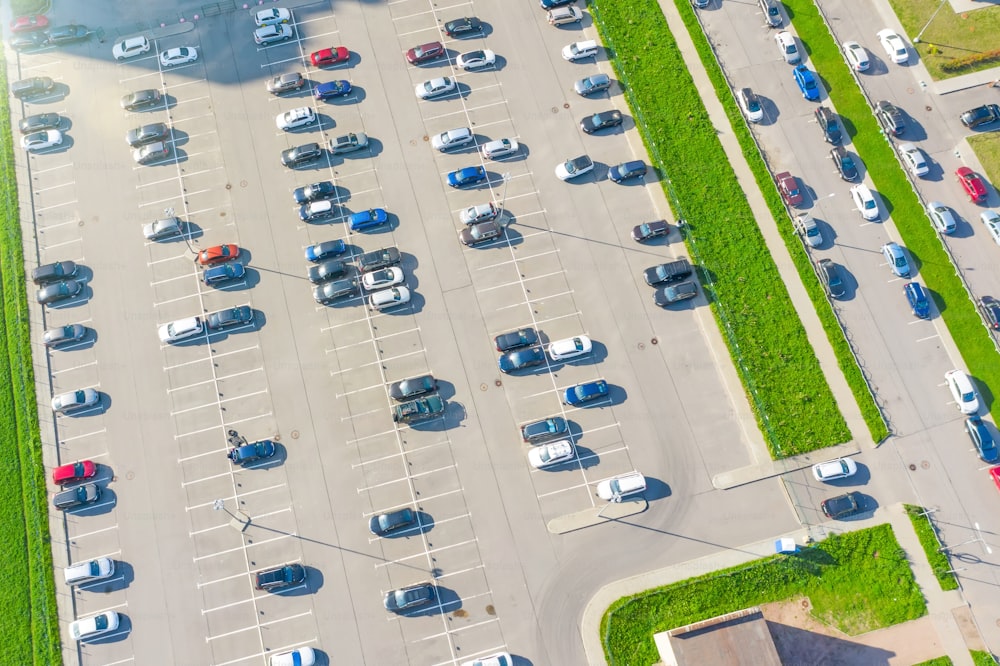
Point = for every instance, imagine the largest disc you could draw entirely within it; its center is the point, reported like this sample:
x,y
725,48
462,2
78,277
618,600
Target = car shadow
x,y
771,112
445,389
656,489
963,228
914,131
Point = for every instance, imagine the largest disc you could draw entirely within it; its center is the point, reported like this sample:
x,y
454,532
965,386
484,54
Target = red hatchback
x,y
332,56
218,254
972,184
73,472
29,23
424,52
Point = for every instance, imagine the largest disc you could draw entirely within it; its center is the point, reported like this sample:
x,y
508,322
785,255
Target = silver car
x,y
65,403
63,335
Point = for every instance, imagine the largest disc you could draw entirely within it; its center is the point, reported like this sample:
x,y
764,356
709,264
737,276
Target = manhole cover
x,y
641,345
295,434
130,475
913,467
925,465
498,383
425,137
655,341
490,610
927,108
483,387
566,105
460,613
229,186
243,183
555,109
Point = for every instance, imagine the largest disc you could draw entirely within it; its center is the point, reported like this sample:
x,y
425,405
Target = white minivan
x,y
580,50
87,572
617,487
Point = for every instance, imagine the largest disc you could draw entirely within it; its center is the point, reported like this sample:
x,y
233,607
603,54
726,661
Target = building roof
x,y
740,638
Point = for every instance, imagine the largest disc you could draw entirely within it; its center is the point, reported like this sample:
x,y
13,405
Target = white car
x,y
95,625
89,571
498,659
270,34
941,217
480,213
500,148
992,221
303,656
453,138
894,46
580,50
272,16
41,140
841,468
750,104
300,117
623,485
476,59
786,44
856,56
131,47
382,279
568,348
74,400
435,87
179,56
574,167
551,454
962,390
180,329
389,298
865,201
914,160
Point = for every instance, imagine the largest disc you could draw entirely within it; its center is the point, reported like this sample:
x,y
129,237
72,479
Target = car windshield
x,y
968,397
101,622
80,396
900,262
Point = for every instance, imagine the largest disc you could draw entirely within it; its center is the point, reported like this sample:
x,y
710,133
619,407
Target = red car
x,y
29,23
218,254
73,472
972,184
995,475
424,52
789,188
330,56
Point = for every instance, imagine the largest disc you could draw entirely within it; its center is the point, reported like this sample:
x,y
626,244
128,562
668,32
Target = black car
x,y
140,136
594,83
26,41
602,120
314,192
650,230
58,291
982,439
675,293
329,292
277,578
39,122
829,275
33,87
520,359
236,316
990,309
408,388
844,163
842,506
141,99
890,117
827,121
285,83
537,431
372,261
551,4
520,338
409,597
384,523
67,34
463,26
54,272
88,493
666,273
981,115
293,157
326,271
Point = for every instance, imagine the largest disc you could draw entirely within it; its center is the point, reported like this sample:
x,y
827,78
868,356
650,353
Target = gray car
x,y
592,84
326,271
408,388
285,83
88,493
58,291
141,99
140,136
160,229
348,143
54,272
675,293
331,291
63,335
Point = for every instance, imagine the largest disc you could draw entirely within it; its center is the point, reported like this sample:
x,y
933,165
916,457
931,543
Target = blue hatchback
x,y
368,219
806,81
321,251
581,393
332,89
224,273
467,176
917,298
520,359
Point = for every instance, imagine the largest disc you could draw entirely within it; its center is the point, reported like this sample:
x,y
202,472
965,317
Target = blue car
x,y
332,89
368,219
917,298
321,251
806,81
224,273
520,359
626,170
581,393
982,439
467,176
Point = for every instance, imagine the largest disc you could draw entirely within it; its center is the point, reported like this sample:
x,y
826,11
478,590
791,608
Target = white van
x,y
565,15
86,572
580,50
617,487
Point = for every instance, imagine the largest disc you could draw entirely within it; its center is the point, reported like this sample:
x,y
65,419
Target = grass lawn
x,y
980,658
987,147
928,539
938,661
952,35
30,624
791,399
858,582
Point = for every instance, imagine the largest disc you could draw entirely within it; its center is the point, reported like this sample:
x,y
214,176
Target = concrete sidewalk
x,y
940,604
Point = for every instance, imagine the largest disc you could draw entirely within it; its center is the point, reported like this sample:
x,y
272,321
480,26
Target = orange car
x,y
218,254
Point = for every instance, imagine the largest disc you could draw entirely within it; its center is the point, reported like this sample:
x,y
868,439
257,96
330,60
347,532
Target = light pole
x,y
916,40
240,521
503,195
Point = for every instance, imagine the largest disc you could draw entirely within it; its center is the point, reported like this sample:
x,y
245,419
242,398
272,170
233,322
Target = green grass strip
x,y
928,539
857,581
981,658
937,661
29,619
922,242
779,370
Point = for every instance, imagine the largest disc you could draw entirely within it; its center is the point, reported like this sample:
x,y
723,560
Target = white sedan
x,y
476,59
856,55
180,329
179,56
894,46
865,201
435,87
272,16
551,454
914,160
41,140
300,117
992,221
568,348
75,400
382,279
500,148
95,625
962,390
841,468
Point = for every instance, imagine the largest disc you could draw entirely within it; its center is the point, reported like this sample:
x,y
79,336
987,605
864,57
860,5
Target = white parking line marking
x,y
378,434
216,356
398,454
463,112
209,381
406,478
457,629
249,545
185,484
230,605
378,362
218,402
430,551
929,337
360,414
496,648
563,490
38,172
202,454
224,425
74,537
58,205
54,187
551,319
63,440
120,661
517,283
517,259
369,341
187,256
123,604
55,373
262,624
63,244
246,494
225,525
423,499
360,390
